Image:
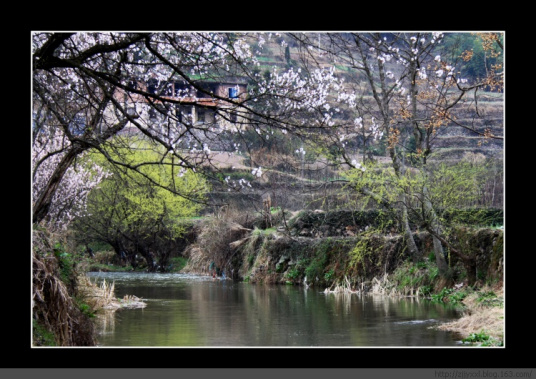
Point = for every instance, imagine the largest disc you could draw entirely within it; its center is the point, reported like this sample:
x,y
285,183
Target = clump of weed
x,y
449,295
316,266
419,278
362,251
489,299
482,339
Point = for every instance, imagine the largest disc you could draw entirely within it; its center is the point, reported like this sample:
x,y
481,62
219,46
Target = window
x,y
233,92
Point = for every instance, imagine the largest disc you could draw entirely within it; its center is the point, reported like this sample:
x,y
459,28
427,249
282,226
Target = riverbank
x,y
312,253
483,321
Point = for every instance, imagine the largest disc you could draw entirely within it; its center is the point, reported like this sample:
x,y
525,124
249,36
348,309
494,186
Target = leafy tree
x,y
133,214
431,196
406,92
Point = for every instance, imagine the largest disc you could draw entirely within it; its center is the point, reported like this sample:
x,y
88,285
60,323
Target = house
x,y
209,102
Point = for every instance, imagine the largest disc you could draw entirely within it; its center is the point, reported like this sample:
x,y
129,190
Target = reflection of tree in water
x,y
224,313
343,300
105,322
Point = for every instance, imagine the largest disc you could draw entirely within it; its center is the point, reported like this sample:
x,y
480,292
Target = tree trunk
x,y
439,253
42,204
470,268
468,261
415,254
434,228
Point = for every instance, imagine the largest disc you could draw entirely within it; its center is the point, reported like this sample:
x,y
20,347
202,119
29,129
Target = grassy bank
x,y
483,321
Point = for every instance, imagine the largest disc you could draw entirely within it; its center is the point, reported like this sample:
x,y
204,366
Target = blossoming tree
x,y
91,87
405,92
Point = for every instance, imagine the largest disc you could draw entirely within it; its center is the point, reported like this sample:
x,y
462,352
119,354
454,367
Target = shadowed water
x,y
187,310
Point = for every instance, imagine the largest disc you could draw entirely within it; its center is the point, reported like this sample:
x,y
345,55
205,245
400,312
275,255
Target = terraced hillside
x,y
456,140
452,142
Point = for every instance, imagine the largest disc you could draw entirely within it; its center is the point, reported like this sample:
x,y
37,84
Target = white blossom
x,y
257,172
70,198
422,73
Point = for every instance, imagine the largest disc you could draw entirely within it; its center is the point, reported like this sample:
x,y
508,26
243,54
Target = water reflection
x,y
186,310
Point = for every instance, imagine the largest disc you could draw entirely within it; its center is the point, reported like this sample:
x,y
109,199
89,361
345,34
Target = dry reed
x,y
54,307
479,318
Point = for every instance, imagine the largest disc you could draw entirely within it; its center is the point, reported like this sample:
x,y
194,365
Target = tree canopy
x,y
341,94
134,212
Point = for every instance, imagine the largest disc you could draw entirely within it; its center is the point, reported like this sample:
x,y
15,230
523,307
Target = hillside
x,y
452,142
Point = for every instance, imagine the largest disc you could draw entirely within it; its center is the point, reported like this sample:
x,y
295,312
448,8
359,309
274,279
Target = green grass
x,y
42,336
489,299
258,232
176,264
449,295
482,339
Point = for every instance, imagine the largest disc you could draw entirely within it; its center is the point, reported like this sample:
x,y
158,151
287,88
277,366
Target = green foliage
x,y
84,308
293,273
251,259
485,217
455,44
318,264
142,199
482,339
449,295
176,264
274,210
424,276
66,264
328,276
41,336
257,232
151,207
425,290
363,249
453,184
433,272
414,276
446,187
489,299
476,337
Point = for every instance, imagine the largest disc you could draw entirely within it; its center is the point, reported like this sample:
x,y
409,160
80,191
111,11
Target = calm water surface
x,y
188,310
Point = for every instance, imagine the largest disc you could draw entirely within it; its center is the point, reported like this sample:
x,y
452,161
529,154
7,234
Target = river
x,y
188,310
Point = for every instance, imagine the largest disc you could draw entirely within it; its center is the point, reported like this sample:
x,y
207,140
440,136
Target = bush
x,y
449,295
176,264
